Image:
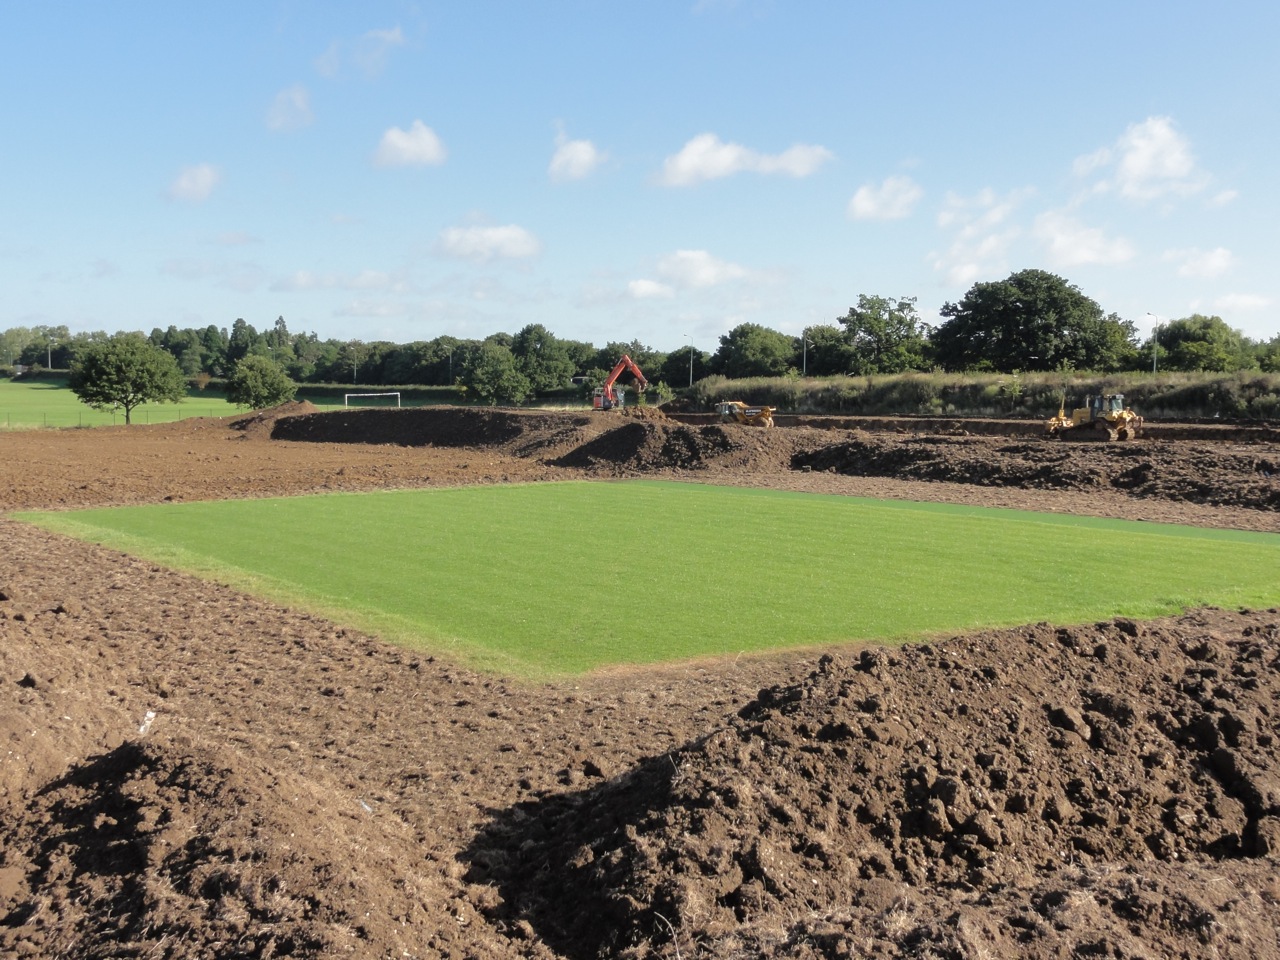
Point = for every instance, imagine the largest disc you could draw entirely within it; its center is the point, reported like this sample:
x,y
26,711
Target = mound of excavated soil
x,y
1197,473
260,423
1037,793
188,772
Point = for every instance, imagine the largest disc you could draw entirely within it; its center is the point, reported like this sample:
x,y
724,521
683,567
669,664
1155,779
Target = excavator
x,y
608,395
1103,417
735,411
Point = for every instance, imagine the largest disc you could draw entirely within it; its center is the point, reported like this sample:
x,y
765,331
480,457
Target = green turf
x,y
566,577
34,404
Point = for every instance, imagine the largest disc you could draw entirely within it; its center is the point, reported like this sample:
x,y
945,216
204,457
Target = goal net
x,y
348,397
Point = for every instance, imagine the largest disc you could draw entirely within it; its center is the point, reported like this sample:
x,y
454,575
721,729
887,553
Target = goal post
x,y
346,397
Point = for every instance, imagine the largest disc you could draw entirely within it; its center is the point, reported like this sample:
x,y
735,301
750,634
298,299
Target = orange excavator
x,y
608,395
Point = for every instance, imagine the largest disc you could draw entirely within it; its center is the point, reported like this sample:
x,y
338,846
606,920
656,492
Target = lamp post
x,y
690,339
804,352
1154,345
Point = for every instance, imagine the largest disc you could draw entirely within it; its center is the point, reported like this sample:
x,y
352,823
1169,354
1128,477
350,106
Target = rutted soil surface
x,y
188,772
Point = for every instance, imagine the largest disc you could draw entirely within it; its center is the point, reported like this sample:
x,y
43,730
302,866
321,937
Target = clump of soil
x,y
1037,793
1196,473
260,423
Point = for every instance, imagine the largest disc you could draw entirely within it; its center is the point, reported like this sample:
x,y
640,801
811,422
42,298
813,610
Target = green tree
x,y
750,350
884,335
542,358
1199,342
492,375
684,366
124,371
258,383
1031,321
822,351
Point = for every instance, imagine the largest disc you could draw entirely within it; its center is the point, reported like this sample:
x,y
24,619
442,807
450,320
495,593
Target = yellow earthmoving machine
x,y
1103,417
735,411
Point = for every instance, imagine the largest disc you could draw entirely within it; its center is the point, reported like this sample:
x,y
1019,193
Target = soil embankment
x,y
189,772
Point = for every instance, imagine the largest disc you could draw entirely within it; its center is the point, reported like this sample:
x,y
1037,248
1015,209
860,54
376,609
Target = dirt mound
x,y
173,846
409,427
656,445
1037,793
1244,476
260,423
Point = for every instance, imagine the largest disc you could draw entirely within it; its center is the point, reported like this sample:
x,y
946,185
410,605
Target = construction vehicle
x,y
609,395
735,411
1103,417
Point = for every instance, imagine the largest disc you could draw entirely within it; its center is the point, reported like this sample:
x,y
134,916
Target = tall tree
x,y
259,382
124,371
1199,342
750,350
542,358
823,350
1031,321
885,335
492,375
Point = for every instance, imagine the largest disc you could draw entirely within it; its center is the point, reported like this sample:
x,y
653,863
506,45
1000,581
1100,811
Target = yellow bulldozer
x,y
735,411
1103,417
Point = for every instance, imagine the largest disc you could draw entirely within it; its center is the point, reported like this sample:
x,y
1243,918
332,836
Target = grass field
x,y
561,578
28,405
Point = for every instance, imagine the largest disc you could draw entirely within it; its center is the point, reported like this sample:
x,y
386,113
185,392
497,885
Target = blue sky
x,y
660,171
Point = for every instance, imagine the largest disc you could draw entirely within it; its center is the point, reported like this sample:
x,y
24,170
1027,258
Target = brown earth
x,y
186,771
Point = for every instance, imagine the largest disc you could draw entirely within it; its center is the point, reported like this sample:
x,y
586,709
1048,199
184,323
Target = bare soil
x,y
186,771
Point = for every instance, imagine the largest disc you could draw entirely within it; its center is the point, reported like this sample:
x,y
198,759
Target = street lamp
x,y
690,339
1154,346
804,352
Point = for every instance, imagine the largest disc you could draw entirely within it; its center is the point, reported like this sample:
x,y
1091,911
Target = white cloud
x,y
365,280
291,109
893,199
650,290
983,234
329,62
370,53
482,244
707,157
416,147
1150,160
1070,243
374,48
1241,303
574,159
1205,264
235,238
1223,197
195,183
698,269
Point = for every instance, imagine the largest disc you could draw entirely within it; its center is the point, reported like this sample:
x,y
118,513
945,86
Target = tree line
x,y
1030,321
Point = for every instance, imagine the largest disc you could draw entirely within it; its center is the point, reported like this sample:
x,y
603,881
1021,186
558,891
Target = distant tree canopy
x,y
750,350
124,371
491,375
259,382
884,336
1031,321
1204,343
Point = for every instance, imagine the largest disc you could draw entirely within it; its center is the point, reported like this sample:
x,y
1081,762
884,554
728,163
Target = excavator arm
x,y
605,398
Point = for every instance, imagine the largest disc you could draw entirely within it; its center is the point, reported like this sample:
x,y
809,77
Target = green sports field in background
x,y
30,405
559,578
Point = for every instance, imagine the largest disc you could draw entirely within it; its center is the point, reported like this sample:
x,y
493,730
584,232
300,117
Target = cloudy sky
x,y
660,171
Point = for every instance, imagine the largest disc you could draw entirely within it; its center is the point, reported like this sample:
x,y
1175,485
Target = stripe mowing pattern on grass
x,y
558,578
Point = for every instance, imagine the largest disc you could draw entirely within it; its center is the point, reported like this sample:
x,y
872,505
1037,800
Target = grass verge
x,y
562,578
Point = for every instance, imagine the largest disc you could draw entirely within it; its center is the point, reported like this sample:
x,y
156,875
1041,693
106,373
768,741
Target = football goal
x,y
348,397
